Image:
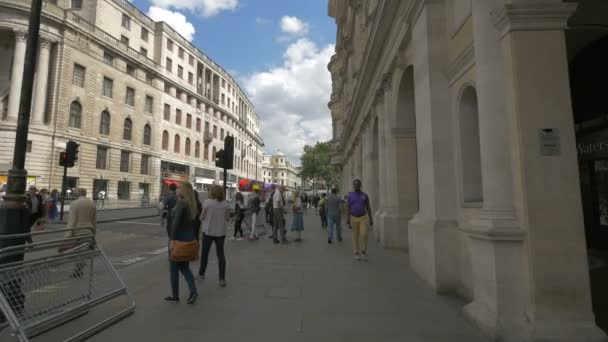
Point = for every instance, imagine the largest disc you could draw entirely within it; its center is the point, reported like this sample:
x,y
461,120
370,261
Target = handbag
x,y
184,250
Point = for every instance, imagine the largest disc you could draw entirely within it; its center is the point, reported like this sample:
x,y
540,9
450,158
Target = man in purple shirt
x,y
359,216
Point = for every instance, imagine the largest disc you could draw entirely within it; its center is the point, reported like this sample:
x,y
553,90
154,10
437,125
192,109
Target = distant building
x,y
277,169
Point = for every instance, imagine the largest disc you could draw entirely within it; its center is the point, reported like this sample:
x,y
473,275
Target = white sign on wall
x,y
549,140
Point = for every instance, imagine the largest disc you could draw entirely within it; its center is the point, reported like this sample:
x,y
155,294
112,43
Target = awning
x,y
169,182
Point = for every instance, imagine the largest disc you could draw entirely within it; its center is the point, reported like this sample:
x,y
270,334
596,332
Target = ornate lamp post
x,y
14,217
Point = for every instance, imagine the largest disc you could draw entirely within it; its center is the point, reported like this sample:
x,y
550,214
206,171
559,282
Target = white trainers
x,y
357,257
363,257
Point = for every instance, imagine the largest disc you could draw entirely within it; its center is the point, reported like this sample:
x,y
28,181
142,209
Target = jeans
x,y
219,249
184,268
278,224
238,226
334,220
254,220
323,220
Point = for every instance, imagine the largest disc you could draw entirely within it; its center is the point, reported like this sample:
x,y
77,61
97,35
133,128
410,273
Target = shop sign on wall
x,y
549,142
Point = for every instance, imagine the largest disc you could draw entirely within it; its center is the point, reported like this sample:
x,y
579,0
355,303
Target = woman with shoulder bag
x,y
183,246
215,217
297,223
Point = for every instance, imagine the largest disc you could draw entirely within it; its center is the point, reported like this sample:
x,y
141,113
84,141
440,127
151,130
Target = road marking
x,y
160,251
142,223
132,260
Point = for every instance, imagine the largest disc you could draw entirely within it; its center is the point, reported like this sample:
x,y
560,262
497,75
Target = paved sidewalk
x,y
298,292
112,215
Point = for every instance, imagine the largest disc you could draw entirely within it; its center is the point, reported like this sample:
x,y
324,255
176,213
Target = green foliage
x,y
316,163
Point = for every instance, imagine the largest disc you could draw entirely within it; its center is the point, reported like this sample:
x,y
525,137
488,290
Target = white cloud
x,y
206,8
294,26
174,19
292,99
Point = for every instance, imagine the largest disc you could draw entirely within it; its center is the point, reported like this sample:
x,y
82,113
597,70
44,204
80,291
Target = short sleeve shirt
x,y
215,221
357,203
333,205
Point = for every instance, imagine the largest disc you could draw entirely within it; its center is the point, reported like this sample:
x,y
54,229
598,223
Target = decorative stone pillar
x,y
17,75
433,232
42,78
553,265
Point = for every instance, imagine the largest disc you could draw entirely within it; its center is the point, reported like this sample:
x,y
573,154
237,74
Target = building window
x,y
169,45
178,94
104,123
198,124
130,97
190,78
178,117
75,114
180,53
145,164
222,134
197,149
214,131
76,4
167,112
144,34
125,158
188,121
149,78
176,144
128,128
223,83
147,135
126,21
149,105
78,75
206,126
206,152
102,158
108,58
130,70
169,64
108,84
191,60
124,190
143,51
124,40
180,71
165,140
223,99
187,147
28,147
213,156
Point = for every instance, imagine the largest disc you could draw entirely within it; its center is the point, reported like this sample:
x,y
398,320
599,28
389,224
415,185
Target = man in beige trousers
x,y
83,214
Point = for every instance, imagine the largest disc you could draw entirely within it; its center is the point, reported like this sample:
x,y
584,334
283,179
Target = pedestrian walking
x,y
181,233
83,214
278,216
359,218
239,213
36,206
322,211
168,204
269,209
297,214
101,199
52,205
215,218
254,208
334,204
304,198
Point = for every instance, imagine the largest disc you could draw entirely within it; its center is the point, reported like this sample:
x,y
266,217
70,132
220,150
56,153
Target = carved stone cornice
x,y
533,17
45,42
20,35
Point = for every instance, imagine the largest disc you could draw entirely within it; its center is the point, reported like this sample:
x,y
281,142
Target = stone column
x,y
433,232
42,78
17,75
555,273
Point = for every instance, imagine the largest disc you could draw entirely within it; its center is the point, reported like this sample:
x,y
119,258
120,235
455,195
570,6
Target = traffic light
x,y
63,159
219,159
72,153
229,152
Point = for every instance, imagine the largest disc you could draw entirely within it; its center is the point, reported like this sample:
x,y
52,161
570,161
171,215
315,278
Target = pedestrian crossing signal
x,y
63,159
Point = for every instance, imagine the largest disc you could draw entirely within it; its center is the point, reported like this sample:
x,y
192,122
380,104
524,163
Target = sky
x,y
278,51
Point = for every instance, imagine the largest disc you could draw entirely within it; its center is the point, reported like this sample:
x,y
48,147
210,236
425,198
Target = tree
x,y
316,164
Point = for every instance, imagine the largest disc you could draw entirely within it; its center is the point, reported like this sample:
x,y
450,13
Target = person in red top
x,y
359,216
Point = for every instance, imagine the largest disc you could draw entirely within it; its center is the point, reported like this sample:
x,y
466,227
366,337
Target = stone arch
x,y
470,148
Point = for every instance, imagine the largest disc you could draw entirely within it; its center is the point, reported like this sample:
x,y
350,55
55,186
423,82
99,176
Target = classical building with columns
x,y
479,130
147,107
278,169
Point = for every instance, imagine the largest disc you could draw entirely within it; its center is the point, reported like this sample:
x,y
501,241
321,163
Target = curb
x,y
113,220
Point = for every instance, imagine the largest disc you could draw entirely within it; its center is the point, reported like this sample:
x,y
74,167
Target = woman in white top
x,y
215,218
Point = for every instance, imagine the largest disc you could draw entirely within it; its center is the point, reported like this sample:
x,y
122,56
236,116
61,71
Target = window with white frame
x,y
78,75
149,105
108,84
130,97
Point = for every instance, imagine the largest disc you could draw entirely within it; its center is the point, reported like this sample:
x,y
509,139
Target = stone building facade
x,y
147,107
278,169
463,119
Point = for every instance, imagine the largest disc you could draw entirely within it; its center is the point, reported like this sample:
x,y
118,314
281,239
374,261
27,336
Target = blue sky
x,y
277,49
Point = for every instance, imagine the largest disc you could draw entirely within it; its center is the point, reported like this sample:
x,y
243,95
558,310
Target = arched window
x,y
213,154
147,135
127,129
187,148
206,152
104,123
176,144
75,114
197,149
165,140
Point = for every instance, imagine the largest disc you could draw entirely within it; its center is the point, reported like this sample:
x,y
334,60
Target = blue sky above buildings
x,y
278,50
